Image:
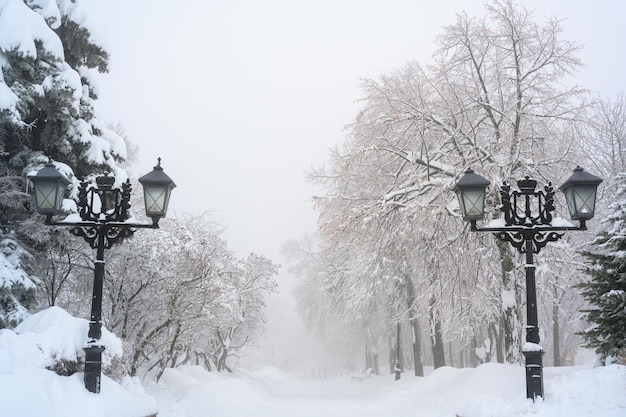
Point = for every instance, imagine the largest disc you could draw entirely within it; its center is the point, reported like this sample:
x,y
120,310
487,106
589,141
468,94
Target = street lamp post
x,y
528,229
104,220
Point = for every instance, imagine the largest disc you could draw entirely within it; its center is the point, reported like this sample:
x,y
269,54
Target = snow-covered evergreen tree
x,y
47,65
17,287
606,290
48,62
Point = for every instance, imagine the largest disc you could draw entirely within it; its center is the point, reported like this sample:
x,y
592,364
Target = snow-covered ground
x,y
491,390
27,389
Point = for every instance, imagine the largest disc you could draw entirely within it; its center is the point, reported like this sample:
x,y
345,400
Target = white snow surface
x,y
20,28
28,389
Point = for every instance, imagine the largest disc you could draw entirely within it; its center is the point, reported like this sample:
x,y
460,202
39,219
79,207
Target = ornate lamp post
x,y
104,220
528,229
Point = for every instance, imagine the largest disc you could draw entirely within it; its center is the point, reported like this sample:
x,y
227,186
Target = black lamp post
x,y
528,230
104,214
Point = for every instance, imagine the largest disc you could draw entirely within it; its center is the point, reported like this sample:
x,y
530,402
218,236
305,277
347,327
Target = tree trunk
x,y
473,358
223,350
417,347
495,337
511,322
399,365
392,352
172,357
415,329
556,335
375,366
371,358
436,338
140,350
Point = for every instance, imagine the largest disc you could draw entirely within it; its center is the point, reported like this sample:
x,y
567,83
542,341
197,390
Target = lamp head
x,y
580,191
471,190
157,187
49,185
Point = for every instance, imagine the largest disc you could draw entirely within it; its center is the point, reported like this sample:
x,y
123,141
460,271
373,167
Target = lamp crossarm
x,y
112,231
539,235
107,224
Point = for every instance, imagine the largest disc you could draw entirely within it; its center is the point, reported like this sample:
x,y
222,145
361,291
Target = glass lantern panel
x,y
473,203
584,200
569,198
156,200
48,197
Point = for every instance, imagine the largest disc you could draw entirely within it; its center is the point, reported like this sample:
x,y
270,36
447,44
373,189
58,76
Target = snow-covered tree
x,y
178,295
17,287
493,99
241,313
607,130
605,291
48,65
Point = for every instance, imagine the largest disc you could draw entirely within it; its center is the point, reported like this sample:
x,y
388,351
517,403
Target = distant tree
x,y
180,296
606,129
241,313
605,291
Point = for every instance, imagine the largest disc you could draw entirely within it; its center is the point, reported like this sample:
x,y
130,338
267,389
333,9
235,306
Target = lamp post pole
x,y
532,351
104,221
528,227
93,350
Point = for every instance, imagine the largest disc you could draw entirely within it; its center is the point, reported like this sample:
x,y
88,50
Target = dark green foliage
x,y
78,48
18,288
606,290
50,114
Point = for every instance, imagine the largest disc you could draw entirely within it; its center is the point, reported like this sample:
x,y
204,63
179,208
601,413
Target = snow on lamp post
x,y
529,227
104,220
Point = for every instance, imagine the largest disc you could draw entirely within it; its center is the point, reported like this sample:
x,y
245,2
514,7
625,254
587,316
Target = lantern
x,y
580,193
50,186
470,191
157,187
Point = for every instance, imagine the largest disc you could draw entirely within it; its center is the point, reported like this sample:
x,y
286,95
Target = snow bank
x,y
28,389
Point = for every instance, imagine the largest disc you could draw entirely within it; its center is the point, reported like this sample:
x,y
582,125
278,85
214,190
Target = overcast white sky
x,y
240,98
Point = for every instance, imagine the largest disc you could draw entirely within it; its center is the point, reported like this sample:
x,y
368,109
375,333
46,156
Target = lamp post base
x,y
93,367
534,370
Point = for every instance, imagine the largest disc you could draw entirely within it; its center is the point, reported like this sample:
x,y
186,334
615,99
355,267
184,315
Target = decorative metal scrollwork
x,y
103,202
518,238
100,206
517,205
111,234
527,216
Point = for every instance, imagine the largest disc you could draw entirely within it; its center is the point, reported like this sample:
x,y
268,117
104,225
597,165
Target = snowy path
x,y
236,397
491,390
